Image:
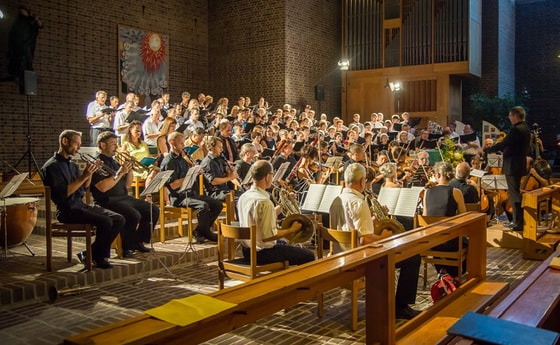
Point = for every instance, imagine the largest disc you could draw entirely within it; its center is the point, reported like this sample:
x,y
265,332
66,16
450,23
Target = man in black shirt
x,y
208,208
111,192
220,177
67,191
462,172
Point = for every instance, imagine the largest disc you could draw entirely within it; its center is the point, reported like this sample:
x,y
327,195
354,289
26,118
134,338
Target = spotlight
x,y
395,87
1,14
344,64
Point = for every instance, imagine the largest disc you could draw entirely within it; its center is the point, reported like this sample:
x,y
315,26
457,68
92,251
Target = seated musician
x,y
220,176
467,187
306,173
422,170
208,209
111,192
68,187
255,208
285,155
445,201
369,147
357,216
357,154
134,145
378,180
197,139
247,155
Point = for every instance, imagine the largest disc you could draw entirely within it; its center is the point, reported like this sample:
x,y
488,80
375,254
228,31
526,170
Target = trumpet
x,y
102,168
123,157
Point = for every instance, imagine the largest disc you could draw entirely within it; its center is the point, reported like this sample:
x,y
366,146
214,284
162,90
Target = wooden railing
x,y
265,296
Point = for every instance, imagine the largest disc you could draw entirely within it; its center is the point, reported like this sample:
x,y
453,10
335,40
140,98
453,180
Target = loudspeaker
x,y
319,93
30,83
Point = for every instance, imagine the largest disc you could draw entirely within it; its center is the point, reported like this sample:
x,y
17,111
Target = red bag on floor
x,y
444,285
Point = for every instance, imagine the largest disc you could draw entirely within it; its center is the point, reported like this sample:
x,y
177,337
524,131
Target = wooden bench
x,y
534,302
265,296
537,243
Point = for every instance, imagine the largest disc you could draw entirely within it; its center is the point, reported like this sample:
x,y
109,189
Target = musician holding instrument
x,y
220,175
515,148
242,166
68,187
256,208
111,192
208,208
357,216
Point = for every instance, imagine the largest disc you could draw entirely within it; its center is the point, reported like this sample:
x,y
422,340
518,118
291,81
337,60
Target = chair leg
x,y
354,323
89,260
162,227
425,275
320,305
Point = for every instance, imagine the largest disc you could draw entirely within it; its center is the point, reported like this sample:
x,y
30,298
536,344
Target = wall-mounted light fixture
x,y
396,86
1,14
343,64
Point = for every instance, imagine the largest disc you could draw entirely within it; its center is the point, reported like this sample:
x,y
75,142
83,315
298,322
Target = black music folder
x,y
268,152
108,110
139,115
182,127
298,145
435,136
468,138
249,127
427,144
397,127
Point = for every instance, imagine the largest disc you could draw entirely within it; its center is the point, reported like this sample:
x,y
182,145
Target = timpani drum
x,y
20,221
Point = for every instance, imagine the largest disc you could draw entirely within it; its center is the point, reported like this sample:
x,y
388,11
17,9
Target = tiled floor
x,y
128,289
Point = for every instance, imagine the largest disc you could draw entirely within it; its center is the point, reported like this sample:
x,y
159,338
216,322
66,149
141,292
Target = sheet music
x,y
157,183
248,179
407,202
333,162
313,198
493,182
389,197
12,185
478,173
495,160
281,171
331,193
189,179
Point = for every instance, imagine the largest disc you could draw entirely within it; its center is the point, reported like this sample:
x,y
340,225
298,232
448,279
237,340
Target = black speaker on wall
x,y
30,83
319,93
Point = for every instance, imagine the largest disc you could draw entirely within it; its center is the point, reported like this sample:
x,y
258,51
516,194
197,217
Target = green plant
x,y
495,109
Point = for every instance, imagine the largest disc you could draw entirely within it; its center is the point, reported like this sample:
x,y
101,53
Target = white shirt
x,y
356,212
255,208
150,127
94,108
120,119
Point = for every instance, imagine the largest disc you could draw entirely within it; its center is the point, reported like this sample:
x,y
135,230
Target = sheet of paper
x,y
313,197
408,201
389,197
331,192
182,312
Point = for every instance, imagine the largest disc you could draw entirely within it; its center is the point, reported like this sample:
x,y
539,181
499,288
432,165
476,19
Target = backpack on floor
x,y
444,285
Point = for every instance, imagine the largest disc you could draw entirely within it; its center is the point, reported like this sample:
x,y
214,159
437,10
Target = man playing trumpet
x,y
111,192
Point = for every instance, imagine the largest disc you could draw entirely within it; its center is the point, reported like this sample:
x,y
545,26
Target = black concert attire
x,y
242,168
420,176
139,215
58,172
515,148
216,167
440,203
470,194
208,209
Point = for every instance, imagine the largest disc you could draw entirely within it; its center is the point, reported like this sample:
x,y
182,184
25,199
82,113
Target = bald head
x,y
462,171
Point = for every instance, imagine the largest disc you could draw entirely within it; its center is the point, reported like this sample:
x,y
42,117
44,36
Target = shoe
x,y
103,264
406,313
199,238
127,253
82,257
509,225
517,228
141,248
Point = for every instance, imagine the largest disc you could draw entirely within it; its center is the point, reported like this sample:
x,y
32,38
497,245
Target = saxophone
x,y
383,221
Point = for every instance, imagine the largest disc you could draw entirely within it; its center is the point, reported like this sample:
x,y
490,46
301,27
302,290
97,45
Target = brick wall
x,y
276,49
76,55
538,65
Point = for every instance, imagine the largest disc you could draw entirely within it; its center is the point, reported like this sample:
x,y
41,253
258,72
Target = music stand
x,y
494,160
187,184
247,180
280,172
157,183
8,190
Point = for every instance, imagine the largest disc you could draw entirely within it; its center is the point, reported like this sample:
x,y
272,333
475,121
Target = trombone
x,y
102,168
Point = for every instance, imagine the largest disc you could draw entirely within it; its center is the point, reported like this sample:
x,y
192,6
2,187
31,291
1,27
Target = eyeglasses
x,y
424,159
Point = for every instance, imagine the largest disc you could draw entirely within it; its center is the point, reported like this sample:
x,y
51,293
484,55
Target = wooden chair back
x,y
237,267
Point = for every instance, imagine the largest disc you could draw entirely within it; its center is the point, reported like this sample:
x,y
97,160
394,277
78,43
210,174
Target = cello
x,y
540,166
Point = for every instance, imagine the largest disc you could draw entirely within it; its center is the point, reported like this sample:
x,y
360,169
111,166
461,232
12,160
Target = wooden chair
x,y
137,183
473,206
179,213
70,231
232,266
441,258
349,238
